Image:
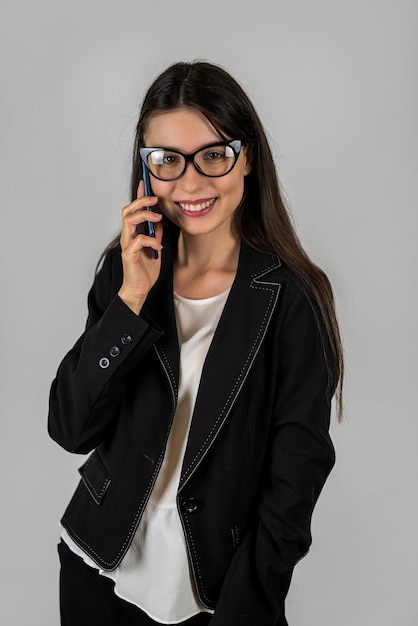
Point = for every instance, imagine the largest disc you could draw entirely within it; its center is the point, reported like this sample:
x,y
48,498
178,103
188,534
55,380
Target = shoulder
x,y
298,312
267,269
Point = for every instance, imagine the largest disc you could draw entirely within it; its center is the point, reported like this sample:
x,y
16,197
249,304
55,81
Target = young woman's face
x,y
196,203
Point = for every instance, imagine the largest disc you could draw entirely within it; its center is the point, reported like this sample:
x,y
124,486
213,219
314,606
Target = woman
x,y
203,381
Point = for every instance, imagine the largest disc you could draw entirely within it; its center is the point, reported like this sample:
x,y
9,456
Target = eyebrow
x,y
207,145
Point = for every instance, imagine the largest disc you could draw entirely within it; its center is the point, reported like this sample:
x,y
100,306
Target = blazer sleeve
x,y
87,390
300,458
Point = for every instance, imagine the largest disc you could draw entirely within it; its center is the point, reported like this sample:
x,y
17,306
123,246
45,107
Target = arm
x,y
86,392
88,388
298,462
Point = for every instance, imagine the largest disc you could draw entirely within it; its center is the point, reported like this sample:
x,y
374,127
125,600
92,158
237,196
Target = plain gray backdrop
x,y
335,83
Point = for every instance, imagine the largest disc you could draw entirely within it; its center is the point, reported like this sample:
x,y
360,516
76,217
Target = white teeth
x,y
196,207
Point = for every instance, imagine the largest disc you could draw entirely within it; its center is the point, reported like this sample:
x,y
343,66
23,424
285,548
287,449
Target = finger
x,y
134,225
159,230
140,203
135,219
141,189
142,242
143,225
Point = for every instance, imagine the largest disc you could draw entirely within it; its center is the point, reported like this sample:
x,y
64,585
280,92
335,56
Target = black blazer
x,y
258,451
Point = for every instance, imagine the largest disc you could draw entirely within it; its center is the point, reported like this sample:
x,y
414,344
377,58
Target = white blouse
x,y
155,574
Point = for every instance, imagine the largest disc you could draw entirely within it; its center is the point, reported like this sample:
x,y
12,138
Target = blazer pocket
x,y
95,476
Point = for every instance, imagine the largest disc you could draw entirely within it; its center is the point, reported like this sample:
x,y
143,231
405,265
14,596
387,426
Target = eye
x,y
215,154
170,159
163,158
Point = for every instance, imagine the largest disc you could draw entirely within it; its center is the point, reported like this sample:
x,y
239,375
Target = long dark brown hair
x,y
262,219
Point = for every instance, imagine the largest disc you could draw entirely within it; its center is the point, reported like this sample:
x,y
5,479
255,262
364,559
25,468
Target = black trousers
x,y
88,599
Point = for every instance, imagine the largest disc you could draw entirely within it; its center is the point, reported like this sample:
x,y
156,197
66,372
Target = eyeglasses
x,y
214,160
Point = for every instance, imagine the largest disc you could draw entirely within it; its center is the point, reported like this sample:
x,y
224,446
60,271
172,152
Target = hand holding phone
x,y
148,192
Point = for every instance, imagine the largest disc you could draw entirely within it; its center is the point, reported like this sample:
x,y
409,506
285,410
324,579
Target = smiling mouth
x,y
195,208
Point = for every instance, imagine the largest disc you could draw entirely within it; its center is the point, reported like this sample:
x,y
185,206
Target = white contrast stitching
x,y
132,528
171,378
105,486
90,484
235,540
195,562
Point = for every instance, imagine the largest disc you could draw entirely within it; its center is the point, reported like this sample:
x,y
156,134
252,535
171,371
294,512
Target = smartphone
x,y
148,192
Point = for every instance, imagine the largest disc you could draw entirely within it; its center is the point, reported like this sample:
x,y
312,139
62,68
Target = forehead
x,y
185,129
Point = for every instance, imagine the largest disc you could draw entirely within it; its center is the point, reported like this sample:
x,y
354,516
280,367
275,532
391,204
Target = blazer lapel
x,y
240,332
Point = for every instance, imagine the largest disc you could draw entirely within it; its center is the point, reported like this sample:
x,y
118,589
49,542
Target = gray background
x,y
335,83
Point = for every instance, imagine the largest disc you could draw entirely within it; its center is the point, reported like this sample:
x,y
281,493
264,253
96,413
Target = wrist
x,y
133,301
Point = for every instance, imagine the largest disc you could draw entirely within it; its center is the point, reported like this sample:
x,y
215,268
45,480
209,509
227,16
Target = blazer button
x,y
114,351
190,505
126,339
104,363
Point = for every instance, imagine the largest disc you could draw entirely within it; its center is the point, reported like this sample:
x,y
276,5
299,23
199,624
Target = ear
x,y
247,160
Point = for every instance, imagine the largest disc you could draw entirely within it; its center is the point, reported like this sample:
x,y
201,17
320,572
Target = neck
x,y
203,254
206,266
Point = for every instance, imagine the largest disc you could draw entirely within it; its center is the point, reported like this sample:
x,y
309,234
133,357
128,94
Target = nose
x,y
191,179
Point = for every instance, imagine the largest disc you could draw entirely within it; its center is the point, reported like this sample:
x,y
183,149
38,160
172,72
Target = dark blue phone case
x,y
148,192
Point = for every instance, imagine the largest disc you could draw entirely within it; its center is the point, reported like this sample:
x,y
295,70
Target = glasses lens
x,y
165,164
215,160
